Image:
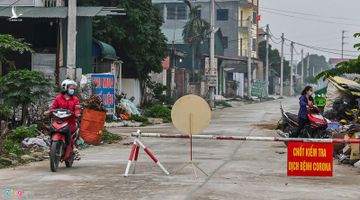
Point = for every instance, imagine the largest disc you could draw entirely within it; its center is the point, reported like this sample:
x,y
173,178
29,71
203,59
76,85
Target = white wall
x,y
132,88
239,78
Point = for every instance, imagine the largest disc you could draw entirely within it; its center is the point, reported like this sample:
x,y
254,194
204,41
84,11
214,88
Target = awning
x,y
60,12
103,50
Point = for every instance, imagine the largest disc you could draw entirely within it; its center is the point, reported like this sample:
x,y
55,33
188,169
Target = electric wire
x,y
308,14
310,19
9,5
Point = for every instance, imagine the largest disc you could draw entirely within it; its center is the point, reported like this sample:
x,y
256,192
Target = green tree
x,y
136,37
274,60
348,67
317,64
21,88
195,31
10,44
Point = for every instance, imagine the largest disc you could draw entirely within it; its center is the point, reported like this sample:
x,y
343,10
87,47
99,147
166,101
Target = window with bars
x,y
176,11
254,44
198,13
254,17
222,14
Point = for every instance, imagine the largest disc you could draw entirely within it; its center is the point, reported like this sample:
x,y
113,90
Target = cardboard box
x,y
355,148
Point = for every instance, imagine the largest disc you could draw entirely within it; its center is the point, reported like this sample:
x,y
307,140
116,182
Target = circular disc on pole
x,y
191,114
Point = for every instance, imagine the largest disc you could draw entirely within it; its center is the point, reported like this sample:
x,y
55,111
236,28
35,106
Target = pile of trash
x,y
40,142
125,108
340,101
94,102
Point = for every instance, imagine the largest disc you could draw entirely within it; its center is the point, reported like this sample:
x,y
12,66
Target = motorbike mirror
x,y
78,107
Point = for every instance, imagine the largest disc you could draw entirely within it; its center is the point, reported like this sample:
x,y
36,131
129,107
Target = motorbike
x,y
61,140
316,128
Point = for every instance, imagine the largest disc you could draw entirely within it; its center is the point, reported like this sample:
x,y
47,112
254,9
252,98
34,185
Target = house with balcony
x,y
43,24
238,22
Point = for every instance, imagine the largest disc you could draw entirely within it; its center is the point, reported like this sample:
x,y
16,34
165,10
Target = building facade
x,y
232,16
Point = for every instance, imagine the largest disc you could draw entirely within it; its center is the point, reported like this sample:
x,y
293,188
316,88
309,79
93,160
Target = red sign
x,y
166,63
310,159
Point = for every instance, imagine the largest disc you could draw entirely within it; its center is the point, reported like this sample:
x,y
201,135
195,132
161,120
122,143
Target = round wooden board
x,y
191,114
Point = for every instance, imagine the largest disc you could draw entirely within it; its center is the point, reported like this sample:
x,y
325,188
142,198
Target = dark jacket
x,y
303,103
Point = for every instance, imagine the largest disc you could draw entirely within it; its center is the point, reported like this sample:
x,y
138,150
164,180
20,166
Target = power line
x,y
274,41
278,38
319,48
309,14
330,49
311,19
9,5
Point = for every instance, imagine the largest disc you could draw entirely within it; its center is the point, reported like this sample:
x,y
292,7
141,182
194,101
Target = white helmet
x,y
66,83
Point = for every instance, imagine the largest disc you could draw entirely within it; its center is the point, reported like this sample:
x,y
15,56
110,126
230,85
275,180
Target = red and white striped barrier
x,y
248,138
134,154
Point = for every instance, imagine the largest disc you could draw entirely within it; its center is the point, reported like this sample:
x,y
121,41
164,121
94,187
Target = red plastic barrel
x,y
92,125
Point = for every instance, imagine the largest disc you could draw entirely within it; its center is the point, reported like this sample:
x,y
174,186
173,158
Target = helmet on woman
x,y
66,83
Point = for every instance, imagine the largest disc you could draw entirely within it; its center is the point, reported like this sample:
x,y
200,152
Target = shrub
x,y
141,119
223,103
22,132
109,137
10,146
12,143
5,112
22,88
159,111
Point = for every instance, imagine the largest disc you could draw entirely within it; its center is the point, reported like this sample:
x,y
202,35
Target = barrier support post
x,y
135,149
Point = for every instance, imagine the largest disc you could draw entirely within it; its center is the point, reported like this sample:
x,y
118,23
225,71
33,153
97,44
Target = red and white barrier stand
x,y
248,138
134,155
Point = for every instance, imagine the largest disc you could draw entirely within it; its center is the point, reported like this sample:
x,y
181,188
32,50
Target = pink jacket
x,y
61,103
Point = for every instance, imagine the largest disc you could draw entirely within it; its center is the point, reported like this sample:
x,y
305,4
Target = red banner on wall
x,y
310,159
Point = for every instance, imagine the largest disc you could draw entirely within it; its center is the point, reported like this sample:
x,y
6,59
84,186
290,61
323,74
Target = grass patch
x,y
12,142
223,104
159,111
108,137
142,119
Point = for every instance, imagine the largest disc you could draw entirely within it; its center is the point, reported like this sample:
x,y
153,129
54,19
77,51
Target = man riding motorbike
x,y
67,100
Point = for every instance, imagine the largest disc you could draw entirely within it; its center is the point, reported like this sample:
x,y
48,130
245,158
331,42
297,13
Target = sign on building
x,y
258,88
310,159
214,69
105,88
211,74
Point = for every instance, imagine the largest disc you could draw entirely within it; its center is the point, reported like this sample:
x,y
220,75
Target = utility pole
x,y
282,65
302,68
249,57
308,65
342,43
267,60
212,52
71,41
291,69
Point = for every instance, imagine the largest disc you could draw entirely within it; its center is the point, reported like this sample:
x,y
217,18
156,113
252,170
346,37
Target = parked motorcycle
x,y
316,128
62,142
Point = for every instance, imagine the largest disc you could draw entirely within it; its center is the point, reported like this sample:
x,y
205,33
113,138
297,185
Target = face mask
x,y
71,92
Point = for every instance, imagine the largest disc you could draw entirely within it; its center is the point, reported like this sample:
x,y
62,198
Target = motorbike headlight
x,y
59,121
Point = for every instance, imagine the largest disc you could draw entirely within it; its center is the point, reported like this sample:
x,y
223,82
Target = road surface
x,y
237,169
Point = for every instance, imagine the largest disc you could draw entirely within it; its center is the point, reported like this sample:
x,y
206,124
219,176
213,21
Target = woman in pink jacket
x,y
67,100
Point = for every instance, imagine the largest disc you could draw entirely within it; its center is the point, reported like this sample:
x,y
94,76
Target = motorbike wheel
x,y
70,161
55,155
306,133
287,129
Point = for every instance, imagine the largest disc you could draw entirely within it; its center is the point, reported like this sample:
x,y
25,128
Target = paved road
x,y
237,170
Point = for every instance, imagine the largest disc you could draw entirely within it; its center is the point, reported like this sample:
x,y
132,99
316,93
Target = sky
x,y
313,22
